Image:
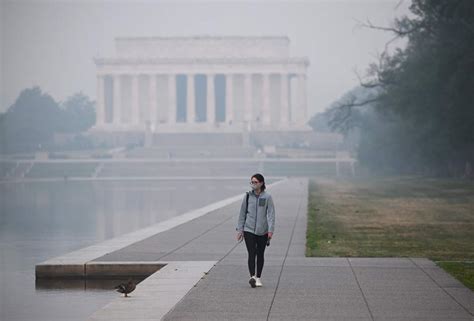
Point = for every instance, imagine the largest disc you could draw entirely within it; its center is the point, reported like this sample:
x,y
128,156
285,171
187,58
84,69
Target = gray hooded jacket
x,y
260,218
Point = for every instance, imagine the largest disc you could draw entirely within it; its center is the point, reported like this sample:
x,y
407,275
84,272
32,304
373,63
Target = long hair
x,y
260,179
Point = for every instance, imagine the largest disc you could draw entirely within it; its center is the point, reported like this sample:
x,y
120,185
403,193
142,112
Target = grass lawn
x,y
394,217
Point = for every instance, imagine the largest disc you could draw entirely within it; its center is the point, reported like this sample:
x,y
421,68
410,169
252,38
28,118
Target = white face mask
x,y
255,186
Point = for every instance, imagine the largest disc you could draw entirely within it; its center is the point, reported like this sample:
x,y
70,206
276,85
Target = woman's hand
x,y
270,235
240,236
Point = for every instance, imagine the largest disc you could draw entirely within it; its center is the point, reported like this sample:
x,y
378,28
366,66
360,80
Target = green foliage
x,y
320,122
79,113
343,115
31,122
422,117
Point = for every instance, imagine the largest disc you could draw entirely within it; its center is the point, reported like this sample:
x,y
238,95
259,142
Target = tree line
x,y
414,109
35,117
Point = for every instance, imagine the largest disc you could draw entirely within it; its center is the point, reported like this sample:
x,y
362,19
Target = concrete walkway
x,y
296,287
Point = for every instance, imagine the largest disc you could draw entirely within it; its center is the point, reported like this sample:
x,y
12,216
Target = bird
x,y
126,288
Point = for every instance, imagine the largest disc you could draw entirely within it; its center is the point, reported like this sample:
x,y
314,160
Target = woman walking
x,y
256,225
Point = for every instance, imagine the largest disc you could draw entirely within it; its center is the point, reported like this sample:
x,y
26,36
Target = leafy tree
x,y
31,121
79,113
424,118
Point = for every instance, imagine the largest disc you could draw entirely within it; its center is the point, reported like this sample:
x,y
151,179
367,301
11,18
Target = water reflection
x,y
42,220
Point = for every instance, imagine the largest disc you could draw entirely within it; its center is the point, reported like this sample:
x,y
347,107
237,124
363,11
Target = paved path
x,y
295,287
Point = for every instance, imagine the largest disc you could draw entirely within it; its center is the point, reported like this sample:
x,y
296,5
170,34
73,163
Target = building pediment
x,y
203,47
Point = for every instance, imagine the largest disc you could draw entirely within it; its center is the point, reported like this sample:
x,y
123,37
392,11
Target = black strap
x,y
247,204
246,207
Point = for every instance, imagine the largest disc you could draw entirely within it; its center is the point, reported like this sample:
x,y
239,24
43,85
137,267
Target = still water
x,y
42,220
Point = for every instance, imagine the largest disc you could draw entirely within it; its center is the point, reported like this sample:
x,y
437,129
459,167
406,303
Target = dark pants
x,y
256,245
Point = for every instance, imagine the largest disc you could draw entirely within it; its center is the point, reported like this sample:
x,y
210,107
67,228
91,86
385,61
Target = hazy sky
x,y
51,44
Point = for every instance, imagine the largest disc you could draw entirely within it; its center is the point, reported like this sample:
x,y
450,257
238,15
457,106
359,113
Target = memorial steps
x,y
192,152
207,140
199,155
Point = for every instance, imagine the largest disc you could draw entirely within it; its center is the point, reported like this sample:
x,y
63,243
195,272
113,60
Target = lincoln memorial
x,y
201,84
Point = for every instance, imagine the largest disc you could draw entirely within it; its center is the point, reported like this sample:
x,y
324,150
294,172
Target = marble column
x,y
191,100
294,99
284,115
211,102
302,108
229,98
135,103
247,97
266,114
171,99
153,103
117,114
100,104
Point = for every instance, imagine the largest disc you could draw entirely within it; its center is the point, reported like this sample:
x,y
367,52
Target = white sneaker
x,y
258,282
253,281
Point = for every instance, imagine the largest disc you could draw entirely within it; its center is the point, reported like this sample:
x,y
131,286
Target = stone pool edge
x,y
75,264
155,296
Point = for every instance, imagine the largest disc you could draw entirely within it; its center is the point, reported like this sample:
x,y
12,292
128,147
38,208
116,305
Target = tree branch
x,y
367,84
399,4
340,116
358,104
397,31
